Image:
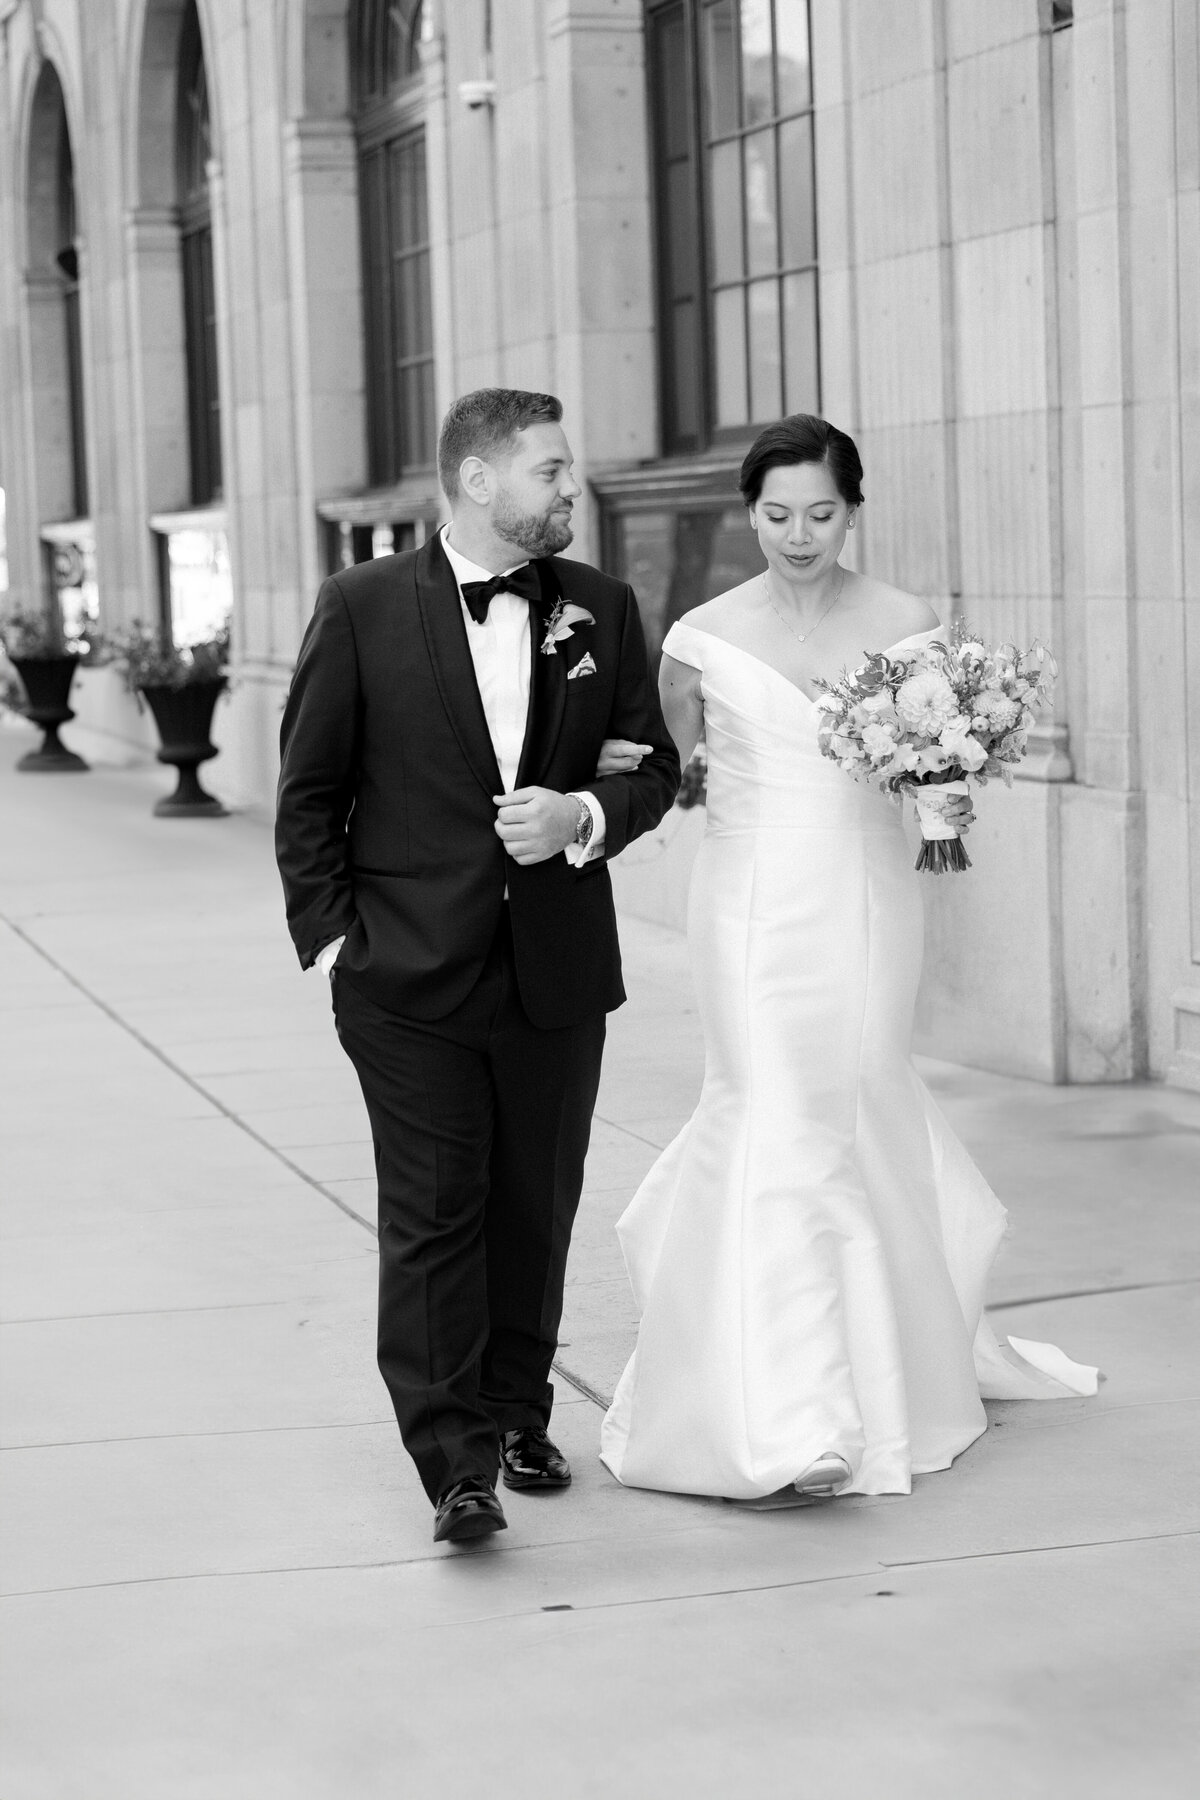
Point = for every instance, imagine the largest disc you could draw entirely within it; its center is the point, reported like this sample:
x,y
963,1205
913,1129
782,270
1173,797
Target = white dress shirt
x,y
500,652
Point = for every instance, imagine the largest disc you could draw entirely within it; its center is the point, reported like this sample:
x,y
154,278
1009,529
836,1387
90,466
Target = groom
x,y
443,835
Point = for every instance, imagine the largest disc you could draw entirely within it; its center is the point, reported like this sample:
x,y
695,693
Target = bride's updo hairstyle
x,y
802,438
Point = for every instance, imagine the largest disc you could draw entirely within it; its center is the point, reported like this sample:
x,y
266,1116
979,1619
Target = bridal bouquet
x,y
926,719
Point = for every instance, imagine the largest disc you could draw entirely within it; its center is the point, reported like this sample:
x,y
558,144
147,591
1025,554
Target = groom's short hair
x,y
486,422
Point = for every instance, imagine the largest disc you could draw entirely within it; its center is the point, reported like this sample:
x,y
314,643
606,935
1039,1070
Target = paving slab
x,y
285,1242
347,1162
1043,1677
131,1164
303,1127
218,1571
266,1364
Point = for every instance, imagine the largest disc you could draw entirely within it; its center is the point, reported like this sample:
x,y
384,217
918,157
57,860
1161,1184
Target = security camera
x,y
477,93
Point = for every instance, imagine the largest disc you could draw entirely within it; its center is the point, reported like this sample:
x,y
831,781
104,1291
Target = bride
x,y
809,1256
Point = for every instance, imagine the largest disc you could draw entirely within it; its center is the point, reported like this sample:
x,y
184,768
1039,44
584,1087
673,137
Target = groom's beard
x,y
538,534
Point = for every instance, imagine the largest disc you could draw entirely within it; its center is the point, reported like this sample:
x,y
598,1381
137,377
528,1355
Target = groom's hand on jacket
x,y
535,823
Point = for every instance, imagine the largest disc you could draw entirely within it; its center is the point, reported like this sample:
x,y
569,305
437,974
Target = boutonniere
x,y
560,624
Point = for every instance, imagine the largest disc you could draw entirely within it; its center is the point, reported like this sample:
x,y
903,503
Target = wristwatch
x,y
584,823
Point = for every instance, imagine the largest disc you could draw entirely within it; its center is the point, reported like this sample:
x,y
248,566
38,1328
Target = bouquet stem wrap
x,y
941,847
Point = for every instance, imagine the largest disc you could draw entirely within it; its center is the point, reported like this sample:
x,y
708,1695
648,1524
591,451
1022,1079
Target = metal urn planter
x,y
47,683
183,715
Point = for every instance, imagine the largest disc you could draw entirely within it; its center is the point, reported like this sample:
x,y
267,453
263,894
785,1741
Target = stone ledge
x,y
1185,1070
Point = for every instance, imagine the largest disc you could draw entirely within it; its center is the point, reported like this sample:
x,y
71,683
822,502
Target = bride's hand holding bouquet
x,y
927,719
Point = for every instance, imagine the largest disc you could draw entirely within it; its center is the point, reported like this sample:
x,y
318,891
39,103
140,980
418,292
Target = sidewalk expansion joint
x,y
1128,1287
144,1312
190,1081
772,1587
577,1607
167,1437
1149,1537
625,1130
604,1401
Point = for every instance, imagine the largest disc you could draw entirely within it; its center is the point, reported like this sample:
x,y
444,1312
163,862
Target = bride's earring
x,y
851,522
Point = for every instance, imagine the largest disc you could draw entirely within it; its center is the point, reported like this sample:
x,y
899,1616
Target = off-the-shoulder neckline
x,y
682,624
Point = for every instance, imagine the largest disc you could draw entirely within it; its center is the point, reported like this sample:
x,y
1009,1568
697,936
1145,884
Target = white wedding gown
x,y
809,1257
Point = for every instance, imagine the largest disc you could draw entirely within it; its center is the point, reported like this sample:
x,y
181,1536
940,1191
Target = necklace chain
x,y
801,636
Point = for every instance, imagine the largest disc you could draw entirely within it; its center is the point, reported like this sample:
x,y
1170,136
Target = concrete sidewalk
x,y
219,1576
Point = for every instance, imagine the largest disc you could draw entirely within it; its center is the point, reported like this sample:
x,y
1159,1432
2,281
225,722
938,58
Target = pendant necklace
x,y
800,636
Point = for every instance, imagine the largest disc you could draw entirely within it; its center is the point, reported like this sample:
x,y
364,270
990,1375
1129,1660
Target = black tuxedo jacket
x,y
386,822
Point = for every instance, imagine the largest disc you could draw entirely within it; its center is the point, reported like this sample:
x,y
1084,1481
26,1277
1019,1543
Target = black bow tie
x,y
523,582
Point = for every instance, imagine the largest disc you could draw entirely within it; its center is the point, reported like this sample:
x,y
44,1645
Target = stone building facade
x,y
249,249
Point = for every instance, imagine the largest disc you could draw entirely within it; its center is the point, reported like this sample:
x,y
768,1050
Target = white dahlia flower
x,y
926,702
997,711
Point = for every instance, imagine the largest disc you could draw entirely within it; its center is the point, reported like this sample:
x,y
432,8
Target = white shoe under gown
x,y
809,1257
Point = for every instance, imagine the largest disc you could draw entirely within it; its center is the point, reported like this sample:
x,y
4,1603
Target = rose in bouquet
x,y
924,720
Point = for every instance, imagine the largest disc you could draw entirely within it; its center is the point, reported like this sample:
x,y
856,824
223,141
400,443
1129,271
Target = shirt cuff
x,y
325,959
576,854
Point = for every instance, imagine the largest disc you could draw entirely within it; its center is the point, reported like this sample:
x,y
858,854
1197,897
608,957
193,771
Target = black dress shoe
x,y
529,1460
469,1509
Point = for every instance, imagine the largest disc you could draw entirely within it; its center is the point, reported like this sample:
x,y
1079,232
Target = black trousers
x,y
480,1125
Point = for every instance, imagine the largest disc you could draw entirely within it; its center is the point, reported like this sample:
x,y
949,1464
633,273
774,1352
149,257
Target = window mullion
x,y
397,444
781,323
700,269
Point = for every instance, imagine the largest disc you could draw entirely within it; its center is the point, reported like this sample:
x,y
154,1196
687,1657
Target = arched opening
x,y
398,315
52,284
193,152
171,238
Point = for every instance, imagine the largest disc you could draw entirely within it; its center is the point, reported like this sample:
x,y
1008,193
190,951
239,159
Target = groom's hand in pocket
x,y
535,823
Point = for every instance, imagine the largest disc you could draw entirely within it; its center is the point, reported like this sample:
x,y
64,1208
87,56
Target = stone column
x,y
16,422
115,463
326,313
598,219
1162,81
47,397
439,189
13,453
464,197
159,376
1103,845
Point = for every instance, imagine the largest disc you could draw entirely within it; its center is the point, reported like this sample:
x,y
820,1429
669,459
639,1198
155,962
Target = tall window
x,y
395,239
731,107
193,150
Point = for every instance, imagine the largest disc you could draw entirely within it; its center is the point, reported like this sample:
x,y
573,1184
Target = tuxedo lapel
x,y
450,655
547,687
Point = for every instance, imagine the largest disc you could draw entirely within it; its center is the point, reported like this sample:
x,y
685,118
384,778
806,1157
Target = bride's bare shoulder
x,y
720,615
907,613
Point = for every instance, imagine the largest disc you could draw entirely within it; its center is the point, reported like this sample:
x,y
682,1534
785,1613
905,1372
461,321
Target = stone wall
x,y
1015,239
1009,244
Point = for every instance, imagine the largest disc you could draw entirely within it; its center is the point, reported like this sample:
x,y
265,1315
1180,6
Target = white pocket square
x,y
585,666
